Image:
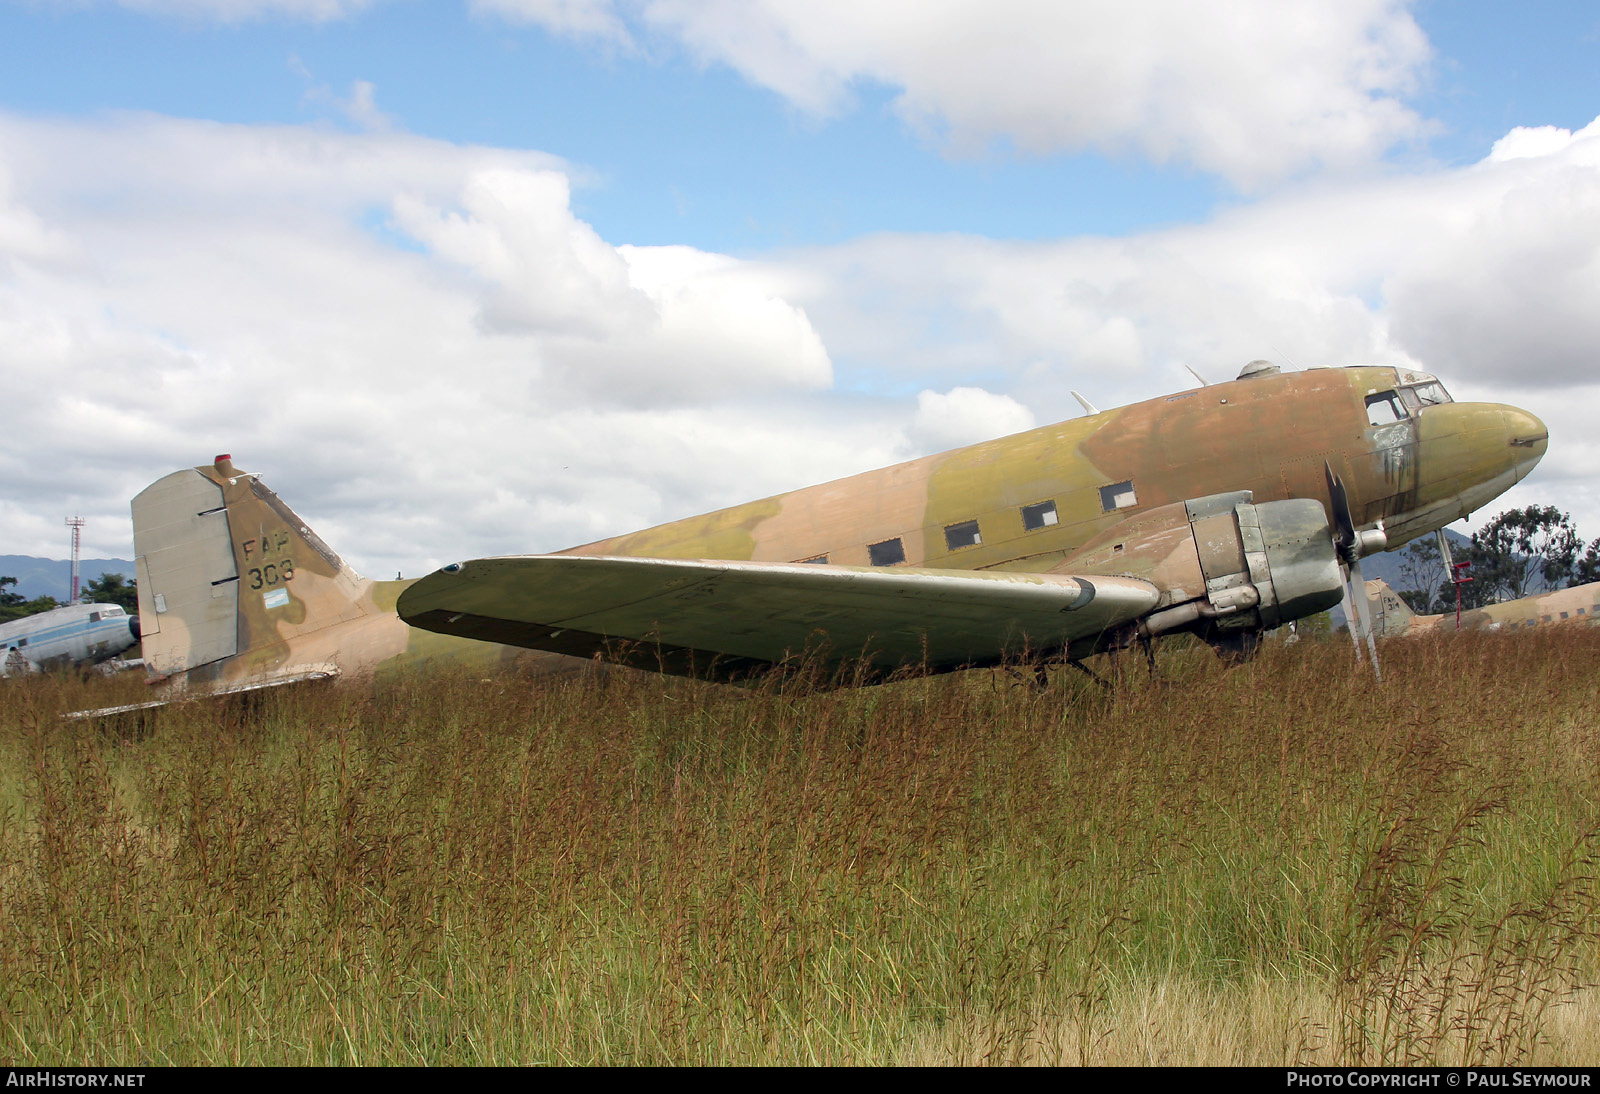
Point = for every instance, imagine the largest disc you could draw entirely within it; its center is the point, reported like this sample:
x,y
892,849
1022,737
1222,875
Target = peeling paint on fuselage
x,y
1270,435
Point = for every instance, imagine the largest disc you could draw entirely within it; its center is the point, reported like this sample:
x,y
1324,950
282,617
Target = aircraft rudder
x,y
227,570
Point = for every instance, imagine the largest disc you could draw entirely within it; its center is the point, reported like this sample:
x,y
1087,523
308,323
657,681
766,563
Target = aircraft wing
x,y
725,619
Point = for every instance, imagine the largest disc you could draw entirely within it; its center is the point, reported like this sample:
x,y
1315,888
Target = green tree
x,y
112,588
1423,577
1521,552
1588,567
13,606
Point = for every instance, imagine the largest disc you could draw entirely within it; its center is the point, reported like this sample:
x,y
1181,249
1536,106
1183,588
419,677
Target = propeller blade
x,y
1364,614
1348,607
1351,545
1344,522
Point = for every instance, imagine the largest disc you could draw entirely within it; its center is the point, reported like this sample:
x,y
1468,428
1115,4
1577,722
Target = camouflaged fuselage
x,y
1270,435
1580,604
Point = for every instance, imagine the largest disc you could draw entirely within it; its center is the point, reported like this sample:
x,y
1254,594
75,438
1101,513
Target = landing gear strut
x,y
1090,673
1235,648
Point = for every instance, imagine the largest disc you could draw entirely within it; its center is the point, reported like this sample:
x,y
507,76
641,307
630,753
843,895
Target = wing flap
x,y
686,614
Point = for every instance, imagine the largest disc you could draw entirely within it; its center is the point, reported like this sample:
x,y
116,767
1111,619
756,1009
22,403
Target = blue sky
x,y
846,200
676,152
681,151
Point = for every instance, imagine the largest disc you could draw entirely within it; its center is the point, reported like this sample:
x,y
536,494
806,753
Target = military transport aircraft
x,y
1394,618
76,635
1223,511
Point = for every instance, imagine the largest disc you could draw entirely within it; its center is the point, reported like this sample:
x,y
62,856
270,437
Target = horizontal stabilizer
x,y
326,672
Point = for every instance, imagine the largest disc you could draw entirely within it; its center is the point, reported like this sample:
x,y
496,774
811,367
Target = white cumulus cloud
x,y
965,415
1252,90
413,340
424,349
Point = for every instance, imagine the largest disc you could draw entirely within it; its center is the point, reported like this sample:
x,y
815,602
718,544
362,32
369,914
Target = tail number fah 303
x,y
279,571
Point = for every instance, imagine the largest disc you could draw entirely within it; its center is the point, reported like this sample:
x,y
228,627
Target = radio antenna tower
x,y
76,524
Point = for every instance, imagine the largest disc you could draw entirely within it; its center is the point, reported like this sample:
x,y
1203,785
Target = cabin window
x,y
1040,515
965,534
821,560
1563,615
1384,408
891,552
21,642
1118,496
94,617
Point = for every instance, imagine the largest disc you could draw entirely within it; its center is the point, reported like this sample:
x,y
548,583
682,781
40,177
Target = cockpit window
x,y
1418,396
1431,394
1384,408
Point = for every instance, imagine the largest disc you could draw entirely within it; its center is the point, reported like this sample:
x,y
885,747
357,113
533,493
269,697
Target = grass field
x,y
1279,863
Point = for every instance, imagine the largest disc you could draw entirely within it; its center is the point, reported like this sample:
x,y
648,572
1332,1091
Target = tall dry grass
x,y
1273,864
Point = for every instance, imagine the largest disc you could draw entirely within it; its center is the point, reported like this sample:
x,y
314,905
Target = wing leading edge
x,y
728,619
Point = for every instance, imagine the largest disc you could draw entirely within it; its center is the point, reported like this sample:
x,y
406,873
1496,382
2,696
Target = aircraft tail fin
x,y
1391,615
230,576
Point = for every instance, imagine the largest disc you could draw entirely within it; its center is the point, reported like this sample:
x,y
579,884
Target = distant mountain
x,y
49,577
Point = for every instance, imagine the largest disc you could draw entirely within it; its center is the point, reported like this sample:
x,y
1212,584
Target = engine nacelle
x,y
1264,565
1226,567
1261,565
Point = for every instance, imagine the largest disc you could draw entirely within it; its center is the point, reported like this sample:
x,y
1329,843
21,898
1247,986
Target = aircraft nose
x,y
1526,436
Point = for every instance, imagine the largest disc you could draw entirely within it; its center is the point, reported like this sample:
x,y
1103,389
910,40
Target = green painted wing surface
x,y
725,619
